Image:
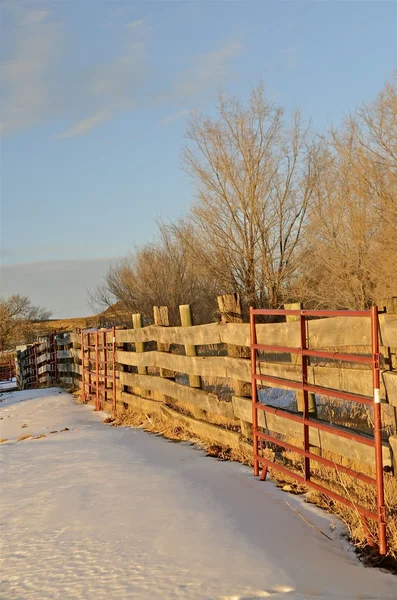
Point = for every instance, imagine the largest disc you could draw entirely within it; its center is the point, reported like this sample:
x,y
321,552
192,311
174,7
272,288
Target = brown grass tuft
x,y
24,437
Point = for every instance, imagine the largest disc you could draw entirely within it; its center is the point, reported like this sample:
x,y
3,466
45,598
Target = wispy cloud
x,y
113,86
134,24
86,124
34,90
208,71
32,17
39,83
27,75
181,114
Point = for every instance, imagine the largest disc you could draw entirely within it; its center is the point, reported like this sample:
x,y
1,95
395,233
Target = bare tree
x,y
254,181
161,273
352,233
17,318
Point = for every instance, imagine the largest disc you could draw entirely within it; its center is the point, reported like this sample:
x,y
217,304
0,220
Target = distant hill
x,y
114,315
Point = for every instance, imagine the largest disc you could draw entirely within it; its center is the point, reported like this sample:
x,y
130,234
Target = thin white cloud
x,y
208,70
35,16
181,114
84,125
134,24
40,83
27,75
112,87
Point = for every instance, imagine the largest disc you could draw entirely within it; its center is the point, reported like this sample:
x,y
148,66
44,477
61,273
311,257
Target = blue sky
x,y
95,97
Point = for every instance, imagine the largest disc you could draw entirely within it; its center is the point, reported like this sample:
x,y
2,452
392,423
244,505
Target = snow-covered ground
x,y
101,512
8,385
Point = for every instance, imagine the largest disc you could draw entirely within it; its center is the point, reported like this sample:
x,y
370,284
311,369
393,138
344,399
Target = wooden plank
x,y
204,400
212,366
43,358
393,445
335,332
143,404
202,429
64,339
297,360
321,439
390,383
356,381
61,354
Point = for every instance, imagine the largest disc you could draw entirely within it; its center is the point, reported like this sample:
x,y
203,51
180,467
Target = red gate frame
x,y
32,368
92,389
307,422
7,370
53,357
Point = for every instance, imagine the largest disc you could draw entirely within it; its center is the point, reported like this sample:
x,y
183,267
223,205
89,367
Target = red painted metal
x,y
307,421
378,431
53,357
316,389
83,382
7,368
96,370
366,360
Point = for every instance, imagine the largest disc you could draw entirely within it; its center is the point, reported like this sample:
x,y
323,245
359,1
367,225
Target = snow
x,y
8,386
101,512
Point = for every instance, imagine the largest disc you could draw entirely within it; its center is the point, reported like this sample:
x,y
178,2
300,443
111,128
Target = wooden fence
x,y
198,376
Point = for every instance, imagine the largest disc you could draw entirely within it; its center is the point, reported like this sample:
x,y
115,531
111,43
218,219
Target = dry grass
x,y
38,437
2,440
61,325
24,437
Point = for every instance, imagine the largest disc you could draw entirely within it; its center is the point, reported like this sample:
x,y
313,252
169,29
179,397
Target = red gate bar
x,y
306,421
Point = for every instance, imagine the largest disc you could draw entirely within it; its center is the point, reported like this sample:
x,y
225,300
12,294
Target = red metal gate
x,y
98,366
53,357
31,376
306,421
7,368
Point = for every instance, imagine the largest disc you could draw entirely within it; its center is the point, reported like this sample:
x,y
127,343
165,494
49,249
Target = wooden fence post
x,y
389,305
231,312
160,314
139,346
297,360
190,350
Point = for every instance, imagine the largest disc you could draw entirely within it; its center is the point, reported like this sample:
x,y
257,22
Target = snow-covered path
x,y
99,512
